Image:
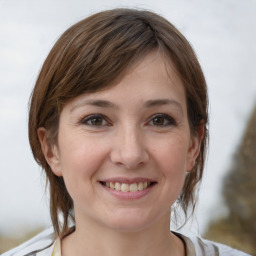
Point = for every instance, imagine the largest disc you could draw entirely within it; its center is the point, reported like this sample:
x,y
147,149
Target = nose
x,y
128,148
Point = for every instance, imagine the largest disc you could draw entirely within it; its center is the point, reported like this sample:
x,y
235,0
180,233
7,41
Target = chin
x,y
129,222
128,227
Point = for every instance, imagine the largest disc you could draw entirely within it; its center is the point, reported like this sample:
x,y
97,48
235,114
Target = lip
x,y
128,195
128,180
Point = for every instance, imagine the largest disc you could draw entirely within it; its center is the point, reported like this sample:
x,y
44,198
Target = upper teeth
x,y
124,187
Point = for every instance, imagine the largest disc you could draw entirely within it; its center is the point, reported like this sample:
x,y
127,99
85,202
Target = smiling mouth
x,y
125,187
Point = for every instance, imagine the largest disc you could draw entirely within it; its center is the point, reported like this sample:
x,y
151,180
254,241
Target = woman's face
x,y
123,152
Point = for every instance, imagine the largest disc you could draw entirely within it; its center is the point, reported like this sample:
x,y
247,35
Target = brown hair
x,y
92,55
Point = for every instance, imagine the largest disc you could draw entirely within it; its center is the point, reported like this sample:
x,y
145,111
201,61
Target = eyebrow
x,y
97,103
160,102
147,104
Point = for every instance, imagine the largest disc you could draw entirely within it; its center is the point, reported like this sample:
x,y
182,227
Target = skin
x,y
142,132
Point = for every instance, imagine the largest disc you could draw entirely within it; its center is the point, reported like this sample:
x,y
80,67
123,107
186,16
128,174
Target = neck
x,y
97,240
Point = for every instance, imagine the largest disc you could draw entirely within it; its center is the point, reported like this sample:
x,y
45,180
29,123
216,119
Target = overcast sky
x,y
223,36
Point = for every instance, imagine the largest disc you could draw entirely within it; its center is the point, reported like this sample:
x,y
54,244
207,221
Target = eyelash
x,y
167,120
90,118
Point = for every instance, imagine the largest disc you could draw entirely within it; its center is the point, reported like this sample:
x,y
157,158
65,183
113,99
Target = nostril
x,y
131,166
129,151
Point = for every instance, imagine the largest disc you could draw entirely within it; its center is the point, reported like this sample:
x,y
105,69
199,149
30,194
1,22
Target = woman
x,y
118,121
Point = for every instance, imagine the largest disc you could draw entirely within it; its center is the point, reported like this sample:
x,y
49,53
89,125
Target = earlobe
x,y
50,151
194,148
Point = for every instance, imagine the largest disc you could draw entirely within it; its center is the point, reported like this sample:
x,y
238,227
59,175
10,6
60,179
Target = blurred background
x,y
223,34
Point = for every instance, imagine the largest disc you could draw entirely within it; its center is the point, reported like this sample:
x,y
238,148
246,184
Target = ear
x,y
194,147
50,151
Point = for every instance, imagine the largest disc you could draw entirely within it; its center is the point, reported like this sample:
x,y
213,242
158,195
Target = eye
x,y
95,120
162,120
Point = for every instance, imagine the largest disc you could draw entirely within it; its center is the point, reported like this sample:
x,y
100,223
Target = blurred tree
x,y
238,229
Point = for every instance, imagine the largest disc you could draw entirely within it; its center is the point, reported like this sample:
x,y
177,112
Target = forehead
x,y
157,66
152,78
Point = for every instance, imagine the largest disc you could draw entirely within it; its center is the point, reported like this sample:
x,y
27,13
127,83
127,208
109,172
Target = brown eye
x,y
158,121
95,120
162,120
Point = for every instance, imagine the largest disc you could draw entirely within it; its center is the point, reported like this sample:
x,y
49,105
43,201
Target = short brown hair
x,y
92,55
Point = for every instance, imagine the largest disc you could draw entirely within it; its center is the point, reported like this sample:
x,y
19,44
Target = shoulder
x,y
42,245
202,247
205,247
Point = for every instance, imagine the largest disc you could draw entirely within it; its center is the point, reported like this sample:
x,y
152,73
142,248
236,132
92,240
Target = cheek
x,y
172,154
80,162
171,160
